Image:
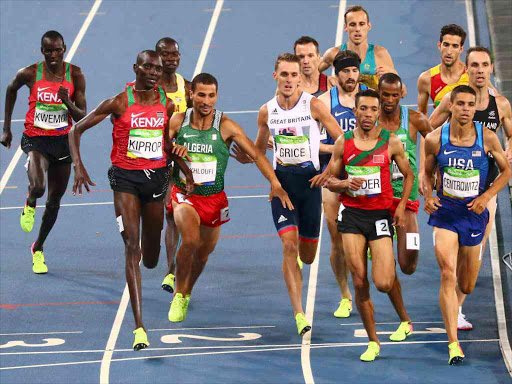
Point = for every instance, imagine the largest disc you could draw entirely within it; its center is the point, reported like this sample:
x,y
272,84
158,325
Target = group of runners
x,y
342,143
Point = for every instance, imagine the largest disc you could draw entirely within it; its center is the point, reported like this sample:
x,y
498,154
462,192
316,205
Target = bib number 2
x,y
382,227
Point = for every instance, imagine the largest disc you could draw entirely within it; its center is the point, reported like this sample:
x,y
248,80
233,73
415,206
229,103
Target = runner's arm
x,y
441,113
77,107
23,77
328,58
263,130
398,155
506,122
423,92
335,167
420,123
188,91
431,149
384,64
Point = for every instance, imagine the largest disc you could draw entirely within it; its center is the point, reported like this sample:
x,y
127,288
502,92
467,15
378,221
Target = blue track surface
x,y
242,290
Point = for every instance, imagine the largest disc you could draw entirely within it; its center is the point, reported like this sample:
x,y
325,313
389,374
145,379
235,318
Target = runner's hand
x,y
189,188
6,139
355,183
399,218
270,142
478,204
239,155
180,151
432,204
81,179
421,183
63,94
280,193
320,180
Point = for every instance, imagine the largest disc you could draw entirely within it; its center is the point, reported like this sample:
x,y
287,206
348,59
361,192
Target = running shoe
x,y
456,354
177,312
38,265
462,323
369,254
185,306
372,352
302,324
299,261
404,330
168,283
141,339
27,218
344,309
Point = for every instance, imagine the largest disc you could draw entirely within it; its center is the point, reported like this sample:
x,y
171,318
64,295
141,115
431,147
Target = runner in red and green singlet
x,y
57,96
364,157
139,175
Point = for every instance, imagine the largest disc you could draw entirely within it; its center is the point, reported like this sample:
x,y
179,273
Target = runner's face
x,y
367,112
309,58
288,78
450,49
390,95
357,27
148,71
479,69
170,55
204,98
348,78
53,51
463,108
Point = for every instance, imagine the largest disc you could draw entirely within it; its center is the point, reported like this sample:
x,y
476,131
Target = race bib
x,y
51,116
460,183
323,134
292,150
371,175
145,143
203,167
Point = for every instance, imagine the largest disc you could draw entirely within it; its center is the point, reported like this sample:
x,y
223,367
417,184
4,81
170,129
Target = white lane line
x,y
111,202
68,58
39,333
310,310
210,328
107,357
208,38
414,322
470,17
498,296
279,348
15,121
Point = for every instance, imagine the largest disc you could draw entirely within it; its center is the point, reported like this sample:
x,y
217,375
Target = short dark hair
x,y
478,49
303,40
52,35
367,93
204,78
346,54
356,8
390,78
148,52
453,29
461,89
166,40
287,57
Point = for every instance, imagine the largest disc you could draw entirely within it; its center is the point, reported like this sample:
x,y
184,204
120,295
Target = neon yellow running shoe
x,y
456,354
372,352
369,254
27,218
177,311
38,265
404,330
299,261
185,306
344,309
168,283
141,339
302,324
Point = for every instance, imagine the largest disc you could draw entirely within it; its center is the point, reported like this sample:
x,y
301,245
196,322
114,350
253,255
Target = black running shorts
x,y
148,184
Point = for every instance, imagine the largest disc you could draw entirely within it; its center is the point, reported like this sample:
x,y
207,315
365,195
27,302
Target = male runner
x,y
458,213
139,175
340,101
178,90
313,82
492,112
57,96
294,116
207,134
375,60
365,155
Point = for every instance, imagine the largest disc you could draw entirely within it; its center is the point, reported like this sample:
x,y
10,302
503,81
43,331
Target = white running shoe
x,y
462,323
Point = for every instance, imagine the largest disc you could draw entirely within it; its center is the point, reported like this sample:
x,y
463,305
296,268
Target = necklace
x,y
142,90
53,74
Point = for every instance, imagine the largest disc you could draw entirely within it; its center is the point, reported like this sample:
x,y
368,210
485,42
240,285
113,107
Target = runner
x,y
178,90
294,116
458,213
340,101
491,111
207,134
313,82
364,156
375,60
139,175
57,97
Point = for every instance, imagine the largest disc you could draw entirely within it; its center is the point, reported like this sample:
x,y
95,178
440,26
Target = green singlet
x,y
209,154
